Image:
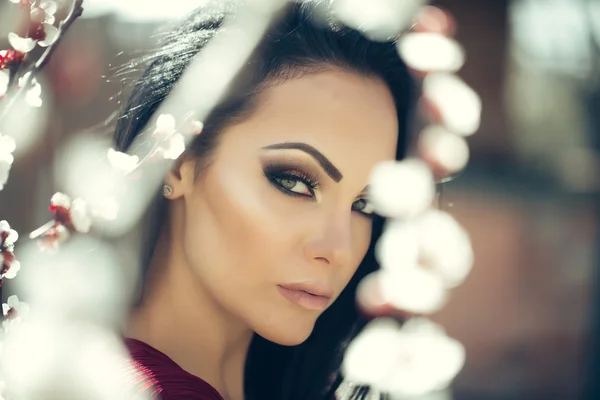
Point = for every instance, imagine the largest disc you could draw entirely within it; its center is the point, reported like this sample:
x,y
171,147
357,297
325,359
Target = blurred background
x,y
529,314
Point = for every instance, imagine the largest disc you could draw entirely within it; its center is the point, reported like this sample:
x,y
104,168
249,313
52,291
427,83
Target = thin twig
x,y
74,13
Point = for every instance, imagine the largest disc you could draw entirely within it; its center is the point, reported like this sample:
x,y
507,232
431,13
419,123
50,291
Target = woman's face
x,y
283,205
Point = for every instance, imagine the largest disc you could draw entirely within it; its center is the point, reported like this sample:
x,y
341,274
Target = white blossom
x,y
398,246
20,309
22,45
121,161
458,104
431,52
80,217
445,247
4,79
15,266
48,9
443,149
411,360
401,189
7,146
174,147
50,35
170,143
60,200
165,127
377,19
13,235
33,95
433,241
412,289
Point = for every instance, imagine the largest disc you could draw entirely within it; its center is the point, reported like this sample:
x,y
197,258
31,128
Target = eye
x,y
294,185
292,181
363,206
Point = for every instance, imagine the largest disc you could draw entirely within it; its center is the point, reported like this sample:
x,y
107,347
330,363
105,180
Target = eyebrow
x,y
327,166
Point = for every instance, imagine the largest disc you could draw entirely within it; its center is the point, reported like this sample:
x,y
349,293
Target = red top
x,y
158,375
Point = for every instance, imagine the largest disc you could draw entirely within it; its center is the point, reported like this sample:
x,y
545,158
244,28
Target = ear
x,y
181,177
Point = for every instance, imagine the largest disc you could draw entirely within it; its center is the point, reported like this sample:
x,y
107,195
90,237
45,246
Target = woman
x,y
255,247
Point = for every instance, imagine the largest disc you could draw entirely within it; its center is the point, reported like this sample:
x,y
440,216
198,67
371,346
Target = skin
x,y
232,236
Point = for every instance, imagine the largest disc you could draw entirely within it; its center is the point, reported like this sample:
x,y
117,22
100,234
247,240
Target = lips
x,y
310,295
314,288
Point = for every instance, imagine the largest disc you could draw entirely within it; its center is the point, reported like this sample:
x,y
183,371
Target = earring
x,y
167,190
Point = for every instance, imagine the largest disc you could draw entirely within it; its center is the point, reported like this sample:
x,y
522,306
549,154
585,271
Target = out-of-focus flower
x,y
401,189
2,388
445,152
13,311
452,103
80,216
9,57
445,247
165,127
434,242
4,79
9,266
122,162
431,52
44,13
59,199
8,236
67,215
73,214
45,34
14,267
170,144
412,289
7,146
378,19
33,95
20,44
411,360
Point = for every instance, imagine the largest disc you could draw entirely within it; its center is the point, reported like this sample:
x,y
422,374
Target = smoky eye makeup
x,y
296,180
292,179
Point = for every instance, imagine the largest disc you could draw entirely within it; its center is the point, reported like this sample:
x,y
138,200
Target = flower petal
x,y
15,266
80,216
7,144
121,161
61,200
32,97
4,226
165,123
412,289
458,105
22,45
175,146
401,189
12,301
445,247
13,236
431,52
49,7
51,34
4,80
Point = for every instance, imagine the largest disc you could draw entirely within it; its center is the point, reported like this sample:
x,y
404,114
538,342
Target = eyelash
x,y
275,173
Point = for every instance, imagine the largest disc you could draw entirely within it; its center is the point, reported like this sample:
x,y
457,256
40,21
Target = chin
x,y
287,335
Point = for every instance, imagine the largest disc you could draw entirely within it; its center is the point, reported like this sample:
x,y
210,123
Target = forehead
x,y
350,118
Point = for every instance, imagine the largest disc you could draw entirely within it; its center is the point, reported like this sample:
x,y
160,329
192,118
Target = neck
x,y
181,319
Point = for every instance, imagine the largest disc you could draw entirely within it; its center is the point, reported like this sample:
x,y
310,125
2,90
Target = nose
x,y
331,241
